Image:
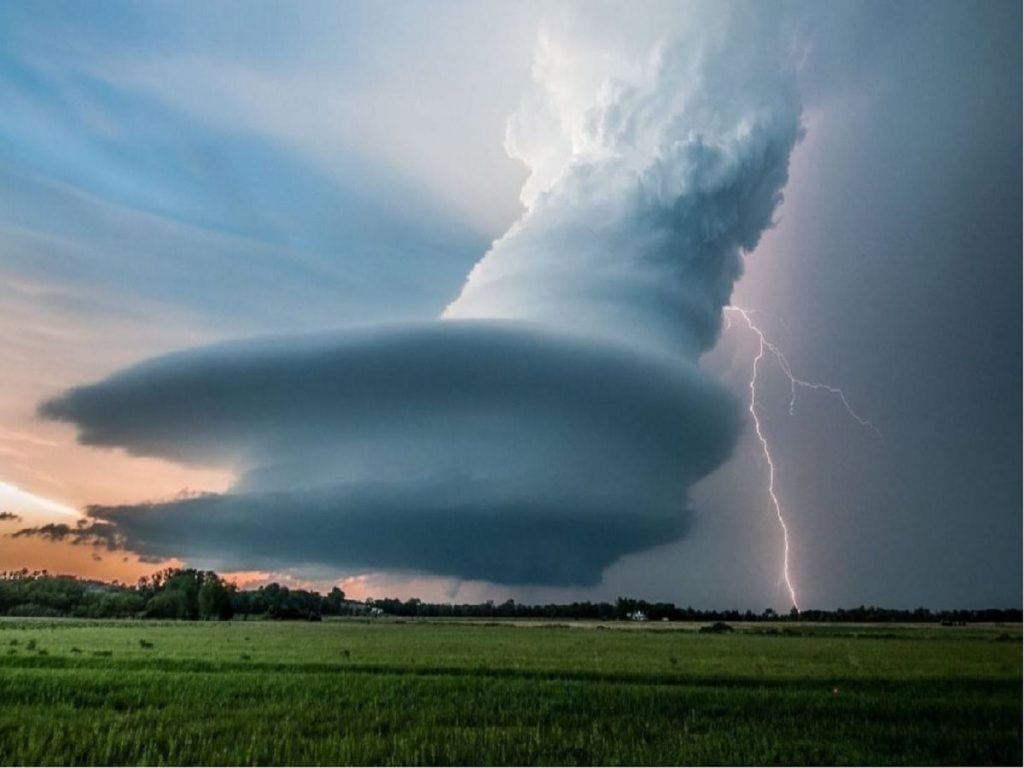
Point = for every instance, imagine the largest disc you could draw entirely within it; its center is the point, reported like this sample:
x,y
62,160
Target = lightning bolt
x,y
766,346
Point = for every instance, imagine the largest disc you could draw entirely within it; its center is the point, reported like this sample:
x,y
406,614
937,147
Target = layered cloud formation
x,y
480,450
554,418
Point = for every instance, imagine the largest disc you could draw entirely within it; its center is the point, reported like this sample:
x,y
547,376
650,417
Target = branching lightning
x,y
795,383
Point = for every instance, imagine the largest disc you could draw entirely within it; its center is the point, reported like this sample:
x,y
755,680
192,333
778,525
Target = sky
x,y
431,299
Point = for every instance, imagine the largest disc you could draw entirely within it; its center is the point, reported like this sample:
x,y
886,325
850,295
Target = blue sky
x,y
120,126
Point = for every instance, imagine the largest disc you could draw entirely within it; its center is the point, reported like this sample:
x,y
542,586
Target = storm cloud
x,y
641,205
404,447
554,419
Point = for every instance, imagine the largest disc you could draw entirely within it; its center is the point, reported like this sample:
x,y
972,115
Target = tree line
x,y
190,594
173,593
625,608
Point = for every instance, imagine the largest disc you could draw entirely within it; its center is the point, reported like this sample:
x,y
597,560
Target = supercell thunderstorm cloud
x,y
554,418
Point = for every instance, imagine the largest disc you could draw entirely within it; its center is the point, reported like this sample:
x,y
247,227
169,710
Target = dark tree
x,y
215,598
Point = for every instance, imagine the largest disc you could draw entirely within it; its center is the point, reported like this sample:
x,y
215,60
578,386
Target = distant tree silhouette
x,y
215,598
176,593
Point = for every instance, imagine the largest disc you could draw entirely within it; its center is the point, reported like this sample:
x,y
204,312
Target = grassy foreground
x,y
341,692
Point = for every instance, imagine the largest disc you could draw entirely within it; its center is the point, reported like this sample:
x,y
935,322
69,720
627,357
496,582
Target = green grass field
x,y
339,692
